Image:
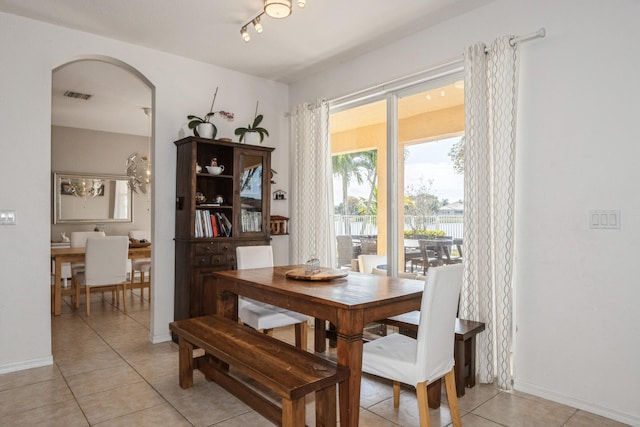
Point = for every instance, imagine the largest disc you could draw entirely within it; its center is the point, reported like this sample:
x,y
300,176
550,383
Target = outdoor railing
x,y
358,225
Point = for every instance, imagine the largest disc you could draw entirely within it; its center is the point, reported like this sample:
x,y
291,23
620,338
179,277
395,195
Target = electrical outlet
x,y
7,217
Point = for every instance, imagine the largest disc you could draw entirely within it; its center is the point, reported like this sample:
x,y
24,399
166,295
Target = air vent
x,y
77,95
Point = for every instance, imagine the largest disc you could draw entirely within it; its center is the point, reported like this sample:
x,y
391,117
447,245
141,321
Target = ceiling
x,y
322,34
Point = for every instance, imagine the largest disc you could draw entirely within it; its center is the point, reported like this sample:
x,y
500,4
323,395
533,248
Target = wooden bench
x,y
289,372
464,351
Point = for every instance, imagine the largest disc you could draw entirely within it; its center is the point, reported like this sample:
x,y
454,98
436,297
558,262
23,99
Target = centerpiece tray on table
x,y
135,243
323,275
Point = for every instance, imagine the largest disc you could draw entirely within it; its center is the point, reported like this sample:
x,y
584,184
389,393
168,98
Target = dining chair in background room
x,y
140,266
105,269
78,239
261,316
418,362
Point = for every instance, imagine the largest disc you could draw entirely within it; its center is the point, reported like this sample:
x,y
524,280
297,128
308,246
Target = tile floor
x,y
106,373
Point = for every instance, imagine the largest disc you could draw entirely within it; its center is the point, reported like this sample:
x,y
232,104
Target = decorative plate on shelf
x,y
325,274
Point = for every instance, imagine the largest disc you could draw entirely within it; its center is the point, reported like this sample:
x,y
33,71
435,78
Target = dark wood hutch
x,y
216,213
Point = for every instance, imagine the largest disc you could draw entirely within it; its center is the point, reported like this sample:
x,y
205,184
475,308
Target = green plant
x,y
194,121
429,234
253,127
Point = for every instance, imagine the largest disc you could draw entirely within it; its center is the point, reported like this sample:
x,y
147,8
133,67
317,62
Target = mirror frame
x,y
58,178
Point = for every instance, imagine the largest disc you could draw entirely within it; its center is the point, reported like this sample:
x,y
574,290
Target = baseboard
x,y
26,364
157,339
631,419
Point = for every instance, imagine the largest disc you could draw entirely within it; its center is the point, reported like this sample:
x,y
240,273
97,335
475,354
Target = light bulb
x,y
257,25
245,34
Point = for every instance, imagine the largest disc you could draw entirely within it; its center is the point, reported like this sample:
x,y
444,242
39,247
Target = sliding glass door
x,y
397,166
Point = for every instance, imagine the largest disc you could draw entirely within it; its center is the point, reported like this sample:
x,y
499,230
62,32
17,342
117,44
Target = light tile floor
x,y
106,373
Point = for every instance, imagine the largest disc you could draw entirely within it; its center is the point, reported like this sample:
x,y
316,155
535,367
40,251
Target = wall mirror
x,y
83,197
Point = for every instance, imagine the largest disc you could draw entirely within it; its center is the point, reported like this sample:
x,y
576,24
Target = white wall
x,y
30,51
578,144
94,152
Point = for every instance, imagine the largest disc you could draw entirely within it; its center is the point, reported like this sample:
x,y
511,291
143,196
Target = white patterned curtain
x,y
310,225
489,179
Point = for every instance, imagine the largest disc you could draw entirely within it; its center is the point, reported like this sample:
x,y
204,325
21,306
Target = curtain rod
x,y
449,67
432,73
513,41
537,34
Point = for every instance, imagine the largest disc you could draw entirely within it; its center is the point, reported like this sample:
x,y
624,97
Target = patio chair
x,y
345,251
427,258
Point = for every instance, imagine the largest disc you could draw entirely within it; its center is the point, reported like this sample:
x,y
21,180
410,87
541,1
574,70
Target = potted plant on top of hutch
x,y
203,127
215,213
253,133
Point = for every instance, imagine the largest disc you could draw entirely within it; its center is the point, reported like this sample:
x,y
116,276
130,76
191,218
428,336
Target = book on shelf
x,y
211,224
214,225
224,223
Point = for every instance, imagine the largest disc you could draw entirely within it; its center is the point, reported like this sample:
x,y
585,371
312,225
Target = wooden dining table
x,y
349,304
62,255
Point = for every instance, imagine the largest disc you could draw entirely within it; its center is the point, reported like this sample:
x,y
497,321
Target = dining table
x,y
349,303
60,256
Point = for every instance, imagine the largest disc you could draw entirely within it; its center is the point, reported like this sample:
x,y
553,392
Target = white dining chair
x,y
366,263
140,266
418,362
261,316
78,239
105,268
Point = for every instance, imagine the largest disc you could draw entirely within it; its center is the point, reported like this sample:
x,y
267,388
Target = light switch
x,y
7,217
602,219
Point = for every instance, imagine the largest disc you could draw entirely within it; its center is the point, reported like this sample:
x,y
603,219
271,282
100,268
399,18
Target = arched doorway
x,y
101,114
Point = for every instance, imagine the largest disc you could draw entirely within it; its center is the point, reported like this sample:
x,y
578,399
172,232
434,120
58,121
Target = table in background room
x,y
61,255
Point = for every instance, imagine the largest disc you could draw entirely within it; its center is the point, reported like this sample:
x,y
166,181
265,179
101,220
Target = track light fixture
x,y
273,8
277,8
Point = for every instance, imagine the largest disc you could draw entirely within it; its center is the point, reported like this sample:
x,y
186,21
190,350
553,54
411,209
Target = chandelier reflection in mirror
x,y
83,188
139,166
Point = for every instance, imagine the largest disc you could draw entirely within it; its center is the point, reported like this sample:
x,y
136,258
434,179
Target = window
x,y
422,177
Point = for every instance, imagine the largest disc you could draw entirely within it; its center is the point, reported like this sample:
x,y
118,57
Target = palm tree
x,y
346,166
368,160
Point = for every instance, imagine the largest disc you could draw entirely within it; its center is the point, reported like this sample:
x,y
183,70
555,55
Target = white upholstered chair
x,y
78,239
105,268
261,316
366,263
142,266
420,361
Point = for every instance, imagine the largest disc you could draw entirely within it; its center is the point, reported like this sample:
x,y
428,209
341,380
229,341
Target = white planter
x,y
205,130
252,138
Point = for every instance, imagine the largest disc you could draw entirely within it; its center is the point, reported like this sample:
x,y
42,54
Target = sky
x,y
423,162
